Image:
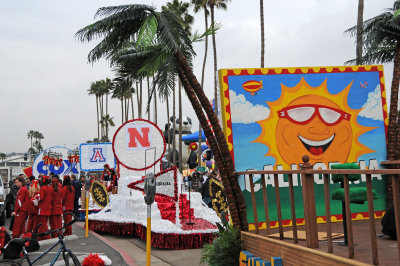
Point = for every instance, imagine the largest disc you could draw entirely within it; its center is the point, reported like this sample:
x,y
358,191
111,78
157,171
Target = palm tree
x,y
3,156
38,146
161,40
198,5
95,89
181,11
107,121
222,5
31,151
262,31
30,135
381,43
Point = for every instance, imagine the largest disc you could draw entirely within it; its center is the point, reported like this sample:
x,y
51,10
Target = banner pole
x,y
148,238
87,215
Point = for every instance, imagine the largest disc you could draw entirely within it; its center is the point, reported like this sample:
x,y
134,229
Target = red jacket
x,y
32,208
45,199
56,203
68,198
22,201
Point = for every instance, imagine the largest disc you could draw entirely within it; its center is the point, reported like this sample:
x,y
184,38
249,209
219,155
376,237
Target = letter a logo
x,y
97,156
138,137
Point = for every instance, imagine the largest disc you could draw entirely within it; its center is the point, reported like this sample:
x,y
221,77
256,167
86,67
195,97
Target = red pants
x,y
32,222
43,220
19,224
55,223
67,219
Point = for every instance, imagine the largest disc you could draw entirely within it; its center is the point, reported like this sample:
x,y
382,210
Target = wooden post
x,y
310,213
372,229
293,209
253,200
328,212
278,206
396,203
348,215
266,210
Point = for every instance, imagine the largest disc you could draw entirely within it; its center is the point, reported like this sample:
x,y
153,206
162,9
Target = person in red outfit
x,y
56,205
68,197
44,205
32,210
21,208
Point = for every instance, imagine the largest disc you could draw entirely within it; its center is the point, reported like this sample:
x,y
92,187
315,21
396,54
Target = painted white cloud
x,y
373,107
244,111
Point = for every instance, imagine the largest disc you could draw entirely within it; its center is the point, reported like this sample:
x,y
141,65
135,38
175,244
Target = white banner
x,y
66,167
93,156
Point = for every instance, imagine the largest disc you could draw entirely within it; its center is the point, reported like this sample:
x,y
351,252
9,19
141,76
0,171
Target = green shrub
x,y
225,249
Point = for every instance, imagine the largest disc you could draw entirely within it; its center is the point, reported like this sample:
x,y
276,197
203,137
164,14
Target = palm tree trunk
x,y
98,121
155,106
138,99
391,148
233,208
101,115
126,109
215,62
141,98
202,81
262,31
173,126
222,146
133,114
107,103
122,110
180,125
168,128
359,31
148,95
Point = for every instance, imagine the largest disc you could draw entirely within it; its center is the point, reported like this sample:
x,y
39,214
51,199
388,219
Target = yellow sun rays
x,y
268,126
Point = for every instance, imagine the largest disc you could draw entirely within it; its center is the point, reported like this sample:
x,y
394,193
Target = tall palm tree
x,y
181,11
219,4
3,156
95,89
123,90
262,31
163,40
198,5
30,135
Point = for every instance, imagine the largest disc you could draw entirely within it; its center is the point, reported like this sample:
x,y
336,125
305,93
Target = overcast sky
x,y
44,74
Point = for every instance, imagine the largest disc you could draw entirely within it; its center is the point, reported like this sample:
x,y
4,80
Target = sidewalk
x,y
80,245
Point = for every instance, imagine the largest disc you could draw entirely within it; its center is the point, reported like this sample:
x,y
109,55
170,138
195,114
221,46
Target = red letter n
x,y
142,138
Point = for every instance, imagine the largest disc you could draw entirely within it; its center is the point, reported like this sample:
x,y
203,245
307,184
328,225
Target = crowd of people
x,y
46,201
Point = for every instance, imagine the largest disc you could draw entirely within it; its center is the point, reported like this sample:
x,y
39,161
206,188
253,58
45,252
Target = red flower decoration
x,y
93,260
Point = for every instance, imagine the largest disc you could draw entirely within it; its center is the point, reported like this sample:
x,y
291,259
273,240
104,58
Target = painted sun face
x,y
311,121
315,126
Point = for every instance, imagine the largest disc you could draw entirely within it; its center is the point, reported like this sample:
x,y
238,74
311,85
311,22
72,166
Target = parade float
x,y
180,220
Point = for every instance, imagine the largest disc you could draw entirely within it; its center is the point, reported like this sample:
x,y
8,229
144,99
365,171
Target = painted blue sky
x,y
248,108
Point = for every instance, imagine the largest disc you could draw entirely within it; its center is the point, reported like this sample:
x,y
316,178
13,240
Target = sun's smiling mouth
x,y
316,147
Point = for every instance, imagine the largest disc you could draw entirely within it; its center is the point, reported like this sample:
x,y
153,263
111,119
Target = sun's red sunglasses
x,y
304,113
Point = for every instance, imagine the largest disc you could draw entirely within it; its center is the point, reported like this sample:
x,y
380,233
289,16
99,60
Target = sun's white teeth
x,y
316,143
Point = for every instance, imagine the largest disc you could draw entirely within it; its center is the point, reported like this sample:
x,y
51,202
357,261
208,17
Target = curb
x,y
127,258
